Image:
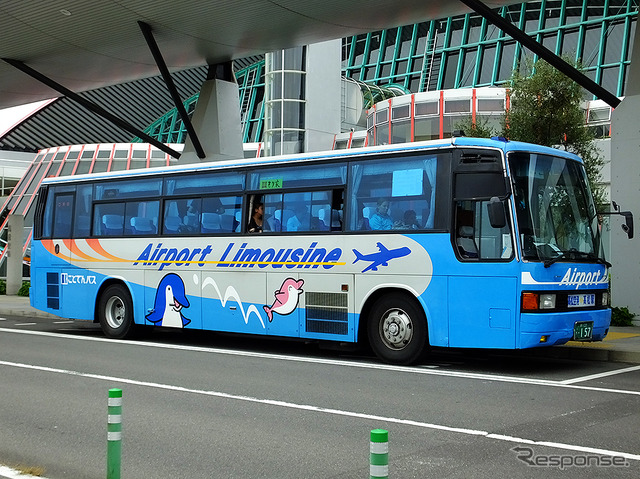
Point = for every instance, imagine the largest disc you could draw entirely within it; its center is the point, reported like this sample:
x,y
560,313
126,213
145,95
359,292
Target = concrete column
x,y
625,189
15,232
216,121
323,94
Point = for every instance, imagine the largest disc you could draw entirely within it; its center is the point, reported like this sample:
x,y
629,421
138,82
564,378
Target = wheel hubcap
x,y
114,312
396,329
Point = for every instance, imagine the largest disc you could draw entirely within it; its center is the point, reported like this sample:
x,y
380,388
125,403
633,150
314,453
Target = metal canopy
x,y
87,45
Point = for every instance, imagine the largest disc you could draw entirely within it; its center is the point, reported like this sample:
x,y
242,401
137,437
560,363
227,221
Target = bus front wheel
x,y
116,312
397,329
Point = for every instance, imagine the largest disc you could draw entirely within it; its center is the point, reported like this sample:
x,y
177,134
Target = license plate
x,y
581,300
583,331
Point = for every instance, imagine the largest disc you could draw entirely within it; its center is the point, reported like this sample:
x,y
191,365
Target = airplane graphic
x,y
381,258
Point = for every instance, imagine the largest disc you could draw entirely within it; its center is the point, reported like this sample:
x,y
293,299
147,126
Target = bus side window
x,y
475,238
108,219
141,218
82,223
394,195
219,214
62,215
272,204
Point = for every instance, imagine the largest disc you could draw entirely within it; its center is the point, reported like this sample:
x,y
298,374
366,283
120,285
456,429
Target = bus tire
x,y
397,329
115,311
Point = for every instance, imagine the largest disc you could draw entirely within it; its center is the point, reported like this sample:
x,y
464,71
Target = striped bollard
x,y
114,434
379,454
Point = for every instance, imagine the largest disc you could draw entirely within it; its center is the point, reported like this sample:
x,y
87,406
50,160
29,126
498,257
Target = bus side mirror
x,y
497,216
627,227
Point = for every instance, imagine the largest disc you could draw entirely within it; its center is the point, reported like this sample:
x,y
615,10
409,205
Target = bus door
x,y
482,287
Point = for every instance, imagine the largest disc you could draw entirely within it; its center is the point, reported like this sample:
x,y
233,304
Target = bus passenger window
x,y
272,208
62,216
396,195
108,219
299,220
112,225
219,214
82,223
141,218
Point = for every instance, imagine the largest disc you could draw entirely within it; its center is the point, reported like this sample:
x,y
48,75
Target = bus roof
x,y
497,143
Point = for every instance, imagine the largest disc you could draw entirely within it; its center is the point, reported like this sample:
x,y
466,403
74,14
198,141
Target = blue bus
x,y
465,242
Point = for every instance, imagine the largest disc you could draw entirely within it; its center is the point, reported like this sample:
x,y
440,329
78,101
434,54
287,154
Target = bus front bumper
x,y
549,329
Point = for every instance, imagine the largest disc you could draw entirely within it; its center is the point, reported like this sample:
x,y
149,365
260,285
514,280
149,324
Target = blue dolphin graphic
x,y
170,300
381,258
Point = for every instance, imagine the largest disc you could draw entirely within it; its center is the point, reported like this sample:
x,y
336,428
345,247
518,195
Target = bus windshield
x,y
556,217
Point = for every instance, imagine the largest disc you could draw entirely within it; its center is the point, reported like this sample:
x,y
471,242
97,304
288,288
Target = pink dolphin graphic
x,y
286,298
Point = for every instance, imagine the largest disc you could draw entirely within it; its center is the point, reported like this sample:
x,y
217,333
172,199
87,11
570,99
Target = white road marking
x,y
62,322
600,375
335,362
323,410
24,324
13,474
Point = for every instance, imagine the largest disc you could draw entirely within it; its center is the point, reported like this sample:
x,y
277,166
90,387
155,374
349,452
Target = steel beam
x,y
91,106
173,91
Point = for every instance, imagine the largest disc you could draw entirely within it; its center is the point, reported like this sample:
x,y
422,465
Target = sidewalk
x,y
622,344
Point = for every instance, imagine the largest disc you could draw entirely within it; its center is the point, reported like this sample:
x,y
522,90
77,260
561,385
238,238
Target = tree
x,y
476,129
546,110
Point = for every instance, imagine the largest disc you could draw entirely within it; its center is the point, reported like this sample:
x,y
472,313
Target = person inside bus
x,y
257,218
381,220
191,221
409,221
300,220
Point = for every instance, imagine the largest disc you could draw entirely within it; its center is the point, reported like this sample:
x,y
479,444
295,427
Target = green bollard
x,y
379,454
114,434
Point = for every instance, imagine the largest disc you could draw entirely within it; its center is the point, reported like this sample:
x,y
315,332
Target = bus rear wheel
x,y
115,311
397,329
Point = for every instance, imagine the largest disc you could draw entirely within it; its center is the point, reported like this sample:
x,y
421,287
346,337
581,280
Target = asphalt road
x,y
199,405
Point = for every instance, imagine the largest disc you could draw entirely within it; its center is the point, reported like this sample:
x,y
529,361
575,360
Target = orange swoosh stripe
x,y
97,247
75,250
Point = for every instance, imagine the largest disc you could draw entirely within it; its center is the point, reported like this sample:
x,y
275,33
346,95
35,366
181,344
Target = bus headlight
x,y
605,299
547,301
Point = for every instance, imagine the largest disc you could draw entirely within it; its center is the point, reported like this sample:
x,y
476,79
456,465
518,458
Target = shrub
x,y
24,289
622,317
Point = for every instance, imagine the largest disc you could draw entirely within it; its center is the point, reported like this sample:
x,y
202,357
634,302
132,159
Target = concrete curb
x,y
589,353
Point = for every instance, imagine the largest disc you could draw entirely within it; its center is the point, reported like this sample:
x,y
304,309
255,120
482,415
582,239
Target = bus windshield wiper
x,y
550,261
598,259
576,256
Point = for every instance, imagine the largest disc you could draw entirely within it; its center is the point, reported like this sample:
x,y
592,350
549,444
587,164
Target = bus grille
x,y
53,291
327,313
